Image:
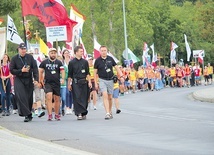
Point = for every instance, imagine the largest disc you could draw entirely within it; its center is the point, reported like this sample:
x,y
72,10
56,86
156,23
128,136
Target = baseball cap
x,y
90,57
52,49
22,45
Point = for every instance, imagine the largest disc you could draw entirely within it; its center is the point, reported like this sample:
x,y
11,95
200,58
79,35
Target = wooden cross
x,y
37,35
192,63
159,59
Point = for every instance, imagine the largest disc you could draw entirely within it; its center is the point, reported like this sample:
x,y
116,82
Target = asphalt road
x,y
160,122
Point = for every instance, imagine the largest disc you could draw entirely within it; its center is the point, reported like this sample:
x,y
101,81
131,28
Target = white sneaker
x,y
36,112
95,108
15,111
70,111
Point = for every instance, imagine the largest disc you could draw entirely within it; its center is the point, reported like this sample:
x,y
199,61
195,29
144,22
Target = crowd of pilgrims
x,y
141,79
156,78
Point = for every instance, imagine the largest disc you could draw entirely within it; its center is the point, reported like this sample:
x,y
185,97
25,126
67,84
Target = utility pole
x,y
125,33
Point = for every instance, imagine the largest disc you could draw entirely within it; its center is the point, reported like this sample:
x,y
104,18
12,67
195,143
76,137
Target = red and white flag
x,y
200,57
49,12
96,49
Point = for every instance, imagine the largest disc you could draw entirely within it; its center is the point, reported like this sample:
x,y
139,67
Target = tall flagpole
x,y
125,34
24,29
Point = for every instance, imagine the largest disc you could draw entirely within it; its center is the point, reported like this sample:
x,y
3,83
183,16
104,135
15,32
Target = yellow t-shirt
x,y
91,71
210,70
132,75
140,74
116,85
172,73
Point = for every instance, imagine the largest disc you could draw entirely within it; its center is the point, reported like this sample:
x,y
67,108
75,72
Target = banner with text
x,y
56,33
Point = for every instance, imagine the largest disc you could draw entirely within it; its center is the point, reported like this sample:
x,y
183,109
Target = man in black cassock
x,y
79,81
25,69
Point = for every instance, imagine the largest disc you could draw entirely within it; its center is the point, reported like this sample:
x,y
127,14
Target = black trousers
x,y
80,92
23,89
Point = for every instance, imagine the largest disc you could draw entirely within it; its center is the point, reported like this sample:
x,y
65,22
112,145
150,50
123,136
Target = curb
x,y
202,95
24,145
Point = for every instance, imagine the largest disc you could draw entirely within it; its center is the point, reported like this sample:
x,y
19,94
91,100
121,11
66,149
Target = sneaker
x,y
14,111
84,117
57,117
107,117
41,113
118,111
33,114
79,117
50,117
36,112
95,108
63,112
28,118
68,111
111,116
7,113
3,113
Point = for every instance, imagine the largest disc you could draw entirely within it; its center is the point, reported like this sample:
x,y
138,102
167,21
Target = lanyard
x,y
23,62
4,68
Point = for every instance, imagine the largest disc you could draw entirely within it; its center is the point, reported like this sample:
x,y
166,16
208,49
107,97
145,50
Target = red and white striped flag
x,y
96,49
200,57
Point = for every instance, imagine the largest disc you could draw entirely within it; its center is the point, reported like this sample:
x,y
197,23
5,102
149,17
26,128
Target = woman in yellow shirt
x,y
133,78
140,77
206,75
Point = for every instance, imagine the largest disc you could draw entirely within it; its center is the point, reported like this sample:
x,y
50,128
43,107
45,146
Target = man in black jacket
x,y
24,67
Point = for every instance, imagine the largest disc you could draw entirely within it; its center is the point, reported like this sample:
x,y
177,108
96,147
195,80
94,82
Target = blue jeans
x,y
69,98
63,96
5,94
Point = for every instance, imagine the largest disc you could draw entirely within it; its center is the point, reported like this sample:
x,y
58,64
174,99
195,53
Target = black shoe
x,y
63,112
118,111
28,118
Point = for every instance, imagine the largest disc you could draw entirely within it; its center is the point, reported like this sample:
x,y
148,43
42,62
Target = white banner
x,y
12,33
56,33
3,41
187,48
196,53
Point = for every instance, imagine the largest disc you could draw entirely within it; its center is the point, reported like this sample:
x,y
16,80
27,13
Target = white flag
x,y
173,52
85,55
111,55
187,48
12,34
153,53
131,56
145,52
3,41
